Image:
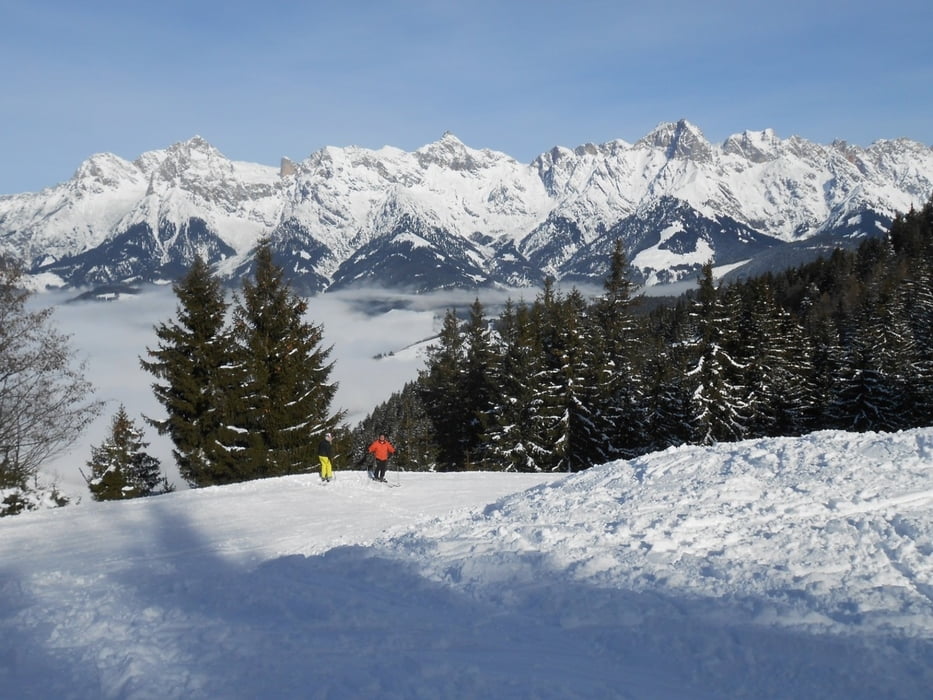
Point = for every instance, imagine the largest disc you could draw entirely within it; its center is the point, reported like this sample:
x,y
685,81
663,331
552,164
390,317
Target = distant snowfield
x,y
780,568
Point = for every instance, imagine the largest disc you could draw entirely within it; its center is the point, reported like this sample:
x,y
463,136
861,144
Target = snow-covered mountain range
x,y
448,215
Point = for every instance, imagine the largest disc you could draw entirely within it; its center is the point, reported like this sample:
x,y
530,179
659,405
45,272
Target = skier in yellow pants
x,y
324,452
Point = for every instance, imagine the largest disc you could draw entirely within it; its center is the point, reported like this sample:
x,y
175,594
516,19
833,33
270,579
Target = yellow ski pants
x,y
326,470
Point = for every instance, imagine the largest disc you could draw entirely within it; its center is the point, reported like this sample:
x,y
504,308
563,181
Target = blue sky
x,y
264,80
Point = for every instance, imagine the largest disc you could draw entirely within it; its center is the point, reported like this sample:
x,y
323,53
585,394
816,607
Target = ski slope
x,y
779,568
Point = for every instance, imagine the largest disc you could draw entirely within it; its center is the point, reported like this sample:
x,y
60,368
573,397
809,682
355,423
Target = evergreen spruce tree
x,y
441,389
828,361
912,240
277,415
614,341
550,440
919,310
192,360
874,381
478,391
776,356
582,371
670,419
509,430
719,396
120,466
416,448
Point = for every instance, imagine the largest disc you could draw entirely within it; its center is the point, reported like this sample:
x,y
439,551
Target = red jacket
x,y
381,449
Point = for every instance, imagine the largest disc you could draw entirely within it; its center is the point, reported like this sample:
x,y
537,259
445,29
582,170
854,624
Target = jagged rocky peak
x,y
561,155
755,146
587,149
854,155
448,152
193,148
195,153
103,168
552,157
560,158
680,140
850,152
847,149
323,163
553,165
195,145
287,167
335,162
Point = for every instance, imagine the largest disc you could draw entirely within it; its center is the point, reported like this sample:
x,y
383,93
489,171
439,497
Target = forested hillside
x,y
566,382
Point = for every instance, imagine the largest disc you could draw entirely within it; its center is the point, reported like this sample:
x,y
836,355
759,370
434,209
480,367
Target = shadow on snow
x,y
358,622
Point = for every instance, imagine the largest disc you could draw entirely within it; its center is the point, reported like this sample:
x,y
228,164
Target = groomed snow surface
x,y
782,568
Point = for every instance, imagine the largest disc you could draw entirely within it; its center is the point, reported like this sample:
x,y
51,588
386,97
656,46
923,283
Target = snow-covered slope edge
x,y
767,518
779,568
765,552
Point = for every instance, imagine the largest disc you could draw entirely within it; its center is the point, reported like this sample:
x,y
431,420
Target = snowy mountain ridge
x,y
448,215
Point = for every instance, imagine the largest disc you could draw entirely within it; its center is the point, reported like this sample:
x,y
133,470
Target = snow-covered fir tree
x,y
718,394
120,467
550,438
613,341
665,359
478,391
776,355
276,416
441,387
509,427
192,362
879,350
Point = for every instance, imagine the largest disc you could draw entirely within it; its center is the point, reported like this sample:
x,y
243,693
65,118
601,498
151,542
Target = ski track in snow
x,y
779,568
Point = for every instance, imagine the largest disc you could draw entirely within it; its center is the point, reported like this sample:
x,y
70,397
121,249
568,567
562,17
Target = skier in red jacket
x,y
380,450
